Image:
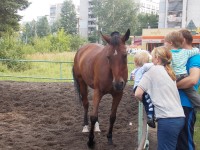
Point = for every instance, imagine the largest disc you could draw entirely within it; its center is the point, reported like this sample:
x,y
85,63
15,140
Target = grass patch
x,y
42,71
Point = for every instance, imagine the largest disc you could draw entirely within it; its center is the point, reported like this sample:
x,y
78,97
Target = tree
x,y
8,14
29,31
146,21
56,26
116,15
68,17
42,27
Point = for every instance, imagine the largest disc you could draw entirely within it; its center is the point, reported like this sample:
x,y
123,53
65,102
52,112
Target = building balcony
x,y
90,12
174,19
91,25
92,19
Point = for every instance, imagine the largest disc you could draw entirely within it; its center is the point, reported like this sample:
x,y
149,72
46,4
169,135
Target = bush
x,y
12,48
76,41
60,42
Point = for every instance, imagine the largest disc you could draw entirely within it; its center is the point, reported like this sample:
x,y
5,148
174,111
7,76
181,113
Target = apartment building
x,y
148,6
87,21
179,14
55,11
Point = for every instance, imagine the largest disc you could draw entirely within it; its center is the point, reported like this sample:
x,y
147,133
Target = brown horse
x,y
103,68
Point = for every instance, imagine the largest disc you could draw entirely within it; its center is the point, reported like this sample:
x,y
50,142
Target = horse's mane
x,y
115,38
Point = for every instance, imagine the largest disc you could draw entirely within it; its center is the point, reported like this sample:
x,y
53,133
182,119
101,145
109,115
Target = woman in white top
x,y
159,83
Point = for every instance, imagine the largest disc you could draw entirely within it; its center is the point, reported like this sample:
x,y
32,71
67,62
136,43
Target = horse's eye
x,y
125,55
108,57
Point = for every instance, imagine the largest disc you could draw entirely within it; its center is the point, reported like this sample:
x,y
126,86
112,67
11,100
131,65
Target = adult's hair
x,y
140,58
187,36
164,54
176,38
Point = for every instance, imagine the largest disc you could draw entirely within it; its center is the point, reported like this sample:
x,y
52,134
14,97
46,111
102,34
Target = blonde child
x,y
174,41
141,60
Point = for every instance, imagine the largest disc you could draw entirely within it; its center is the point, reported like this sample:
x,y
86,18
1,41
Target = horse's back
x,y
84,61
91,49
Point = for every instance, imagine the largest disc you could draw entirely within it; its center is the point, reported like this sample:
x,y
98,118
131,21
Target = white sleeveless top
x,y
163,92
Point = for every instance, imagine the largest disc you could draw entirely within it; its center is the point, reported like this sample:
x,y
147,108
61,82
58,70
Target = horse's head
x,y
117,58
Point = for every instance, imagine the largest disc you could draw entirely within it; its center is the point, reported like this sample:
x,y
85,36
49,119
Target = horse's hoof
x,y
85,129
96,127
91,144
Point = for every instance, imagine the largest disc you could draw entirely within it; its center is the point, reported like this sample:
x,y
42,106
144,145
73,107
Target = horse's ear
x,y
126,36
105,37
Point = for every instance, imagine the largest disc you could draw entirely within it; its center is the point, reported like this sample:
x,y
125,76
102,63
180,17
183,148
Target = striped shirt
x,y
180,58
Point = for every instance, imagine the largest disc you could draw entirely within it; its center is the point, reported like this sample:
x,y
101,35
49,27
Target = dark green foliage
x,y
75,42
55,26
8,14
115,15
68,17
12,48
29,32
42,27
146,21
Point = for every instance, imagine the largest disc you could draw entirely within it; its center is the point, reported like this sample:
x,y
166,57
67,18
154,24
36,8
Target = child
x,y
174,41
141,60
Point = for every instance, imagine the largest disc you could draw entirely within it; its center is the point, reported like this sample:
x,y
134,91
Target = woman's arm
x,y
138,93
191,80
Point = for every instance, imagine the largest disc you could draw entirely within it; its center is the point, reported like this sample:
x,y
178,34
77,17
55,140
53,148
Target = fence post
x,y
60,70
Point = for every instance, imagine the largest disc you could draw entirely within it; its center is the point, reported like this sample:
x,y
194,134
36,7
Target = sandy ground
x,y
48,116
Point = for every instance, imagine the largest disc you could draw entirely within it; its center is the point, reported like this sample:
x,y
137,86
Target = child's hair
x,y
187,36
165,56
175,38
140,58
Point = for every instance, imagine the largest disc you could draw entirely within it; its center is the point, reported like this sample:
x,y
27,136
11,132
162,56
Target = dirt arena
x,y
47,116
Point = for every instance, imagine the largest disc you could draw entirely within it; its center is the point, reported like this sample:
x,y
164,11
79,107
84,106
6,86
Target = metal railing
x,y
60,75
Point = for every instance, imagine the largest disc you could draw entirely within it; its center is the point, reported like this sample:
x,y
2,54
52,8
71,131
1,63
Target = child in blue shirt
x,y
141,60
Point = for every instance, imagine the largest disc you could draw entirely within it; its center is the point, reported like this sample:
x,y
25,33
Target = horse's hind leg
x,y
116,99
84,93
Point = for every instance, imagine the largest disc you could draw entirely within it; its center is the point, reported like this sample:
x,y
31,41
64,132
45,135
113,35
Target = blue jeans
x,y
168,131
185,139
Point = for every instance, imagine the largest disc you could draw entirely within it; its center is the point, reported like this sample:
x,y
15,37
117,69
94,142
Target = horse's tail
x,y
76,86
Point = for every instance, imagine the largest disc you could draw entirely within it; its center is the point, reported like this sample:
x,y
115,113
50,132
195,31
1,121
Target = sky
x,y
39,8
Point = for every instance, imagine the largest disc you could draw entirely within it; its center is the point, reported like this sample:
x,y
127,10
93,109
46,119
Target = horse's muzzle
x,y
119,86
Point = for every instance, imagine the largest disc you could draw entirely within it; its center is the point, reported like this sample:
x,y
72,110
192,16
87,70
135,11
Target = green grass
x,y
43,69
47,70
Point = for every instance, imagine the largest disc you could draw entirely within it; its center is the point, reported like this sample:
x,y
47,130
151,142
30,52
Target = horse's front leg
x,y
84,93
94,116
116,99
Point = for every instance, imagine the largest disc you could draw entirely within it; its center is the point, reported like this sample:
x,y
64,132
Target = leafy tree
x,y
8,14
68,17
76,42
55,26
29,32
60,42
116,15
42,27
146,21
12,48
